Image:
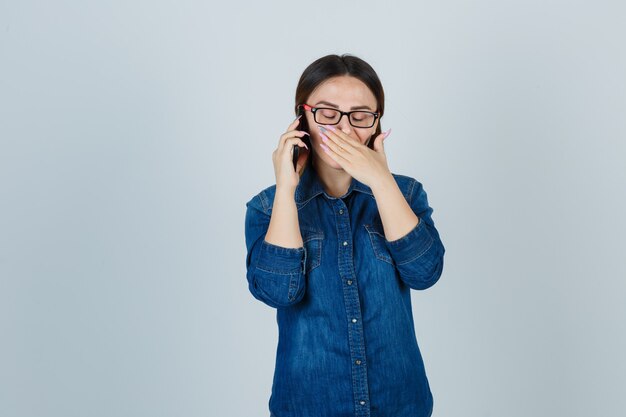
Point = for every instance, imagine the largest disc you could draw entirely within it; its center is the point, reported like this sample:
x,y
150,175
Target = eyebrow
x,y
337,107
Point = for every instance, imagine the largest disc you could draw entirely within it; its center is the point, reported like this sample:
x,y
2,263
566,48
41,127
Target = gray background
x,y
133,133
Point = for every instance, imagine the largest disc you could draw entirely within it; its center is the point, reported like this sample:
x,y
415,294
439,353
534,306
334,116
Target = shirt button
x,y
353,320
358,362
362,402
345,243
341,211
349,282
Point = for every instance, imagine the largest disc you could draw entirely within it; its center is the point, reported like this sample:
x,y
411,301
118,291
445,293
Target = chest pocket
x,y
312,239
377,239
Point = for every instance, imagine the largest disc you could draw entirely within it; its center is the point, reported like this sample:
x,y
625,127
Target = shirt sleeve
x,y
418,255
275,274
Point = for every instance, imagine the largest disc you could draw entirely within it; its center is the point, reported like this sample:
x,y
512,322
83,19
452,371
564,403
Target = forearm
x,y
284,228
395,213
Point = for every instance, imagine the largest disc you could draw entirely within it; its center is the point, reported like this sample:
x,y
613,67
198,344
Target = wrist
x,y
285,191
383,182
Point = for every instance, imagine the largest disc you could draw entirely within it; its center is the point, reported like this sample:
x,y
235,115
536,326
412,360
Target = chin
x,y
327,160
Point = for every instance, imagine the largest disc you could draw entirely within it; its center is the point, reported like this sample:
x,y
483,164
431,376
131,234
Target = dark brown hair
x,y
332,66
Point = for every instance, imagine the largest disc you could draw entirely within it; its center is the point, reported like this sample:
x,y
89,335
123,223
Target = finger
x,y
339,147
329,151
379,142
294,123
291,126
298,133
294,141
340,136
289,134
303,156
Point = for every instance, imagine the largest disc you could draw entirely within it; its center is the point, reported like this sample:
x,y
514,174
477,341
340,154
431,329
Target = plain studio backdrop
x,y
133,133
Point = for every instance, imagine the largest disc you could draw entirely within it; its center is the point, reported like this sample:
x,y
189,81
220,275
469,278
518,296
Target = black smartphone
x,y
296,153
303,125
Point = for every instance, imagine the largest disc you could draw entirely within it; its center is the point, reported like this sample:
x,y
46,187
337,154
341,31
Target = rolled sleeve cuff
x,y
281,260
412,245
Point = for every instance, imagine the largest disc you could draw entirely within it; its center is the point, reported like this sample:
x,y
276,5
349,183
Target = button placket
x,y
353,310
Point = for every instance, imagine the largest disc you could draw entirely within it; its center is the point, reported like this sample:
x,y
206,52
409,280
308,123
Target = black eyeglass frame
x,y
342,113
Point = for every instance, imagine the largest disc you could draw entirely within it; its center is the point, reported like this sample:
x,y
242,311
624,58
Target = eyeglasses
x,y
329,116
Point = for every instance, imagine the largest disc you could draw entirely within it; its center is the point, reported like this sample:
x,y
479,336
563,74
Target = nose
x,y
344,124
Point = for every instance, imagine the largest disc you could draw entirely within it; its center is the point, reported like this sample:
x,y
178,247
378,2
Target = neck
x,y
335,181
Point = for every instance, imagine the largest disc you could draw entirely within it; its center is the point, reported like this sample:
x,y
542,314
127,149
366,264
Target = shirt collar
x,y
310,186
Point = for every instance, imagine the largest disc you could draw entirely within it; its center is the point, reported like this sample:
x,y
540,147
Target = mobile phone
x,y
296,153
303,125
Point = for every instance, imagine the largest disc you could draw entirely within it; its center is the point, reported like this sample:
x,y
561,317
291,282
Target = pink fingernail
x,y
329,127
324,147
324,137
387,133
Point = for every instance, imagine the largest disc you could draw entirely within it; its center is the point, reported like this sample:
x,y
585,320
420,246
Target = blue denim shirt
x,y
346,338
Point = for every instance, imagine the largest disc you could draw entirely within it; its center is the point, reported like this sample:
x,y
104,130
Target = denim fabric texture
x,y
346,338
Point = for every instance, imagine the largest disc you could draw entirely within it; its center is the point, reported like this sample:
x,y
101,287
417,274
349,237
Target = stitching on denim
x,y
379,256
303,203
315,255
294,283
313,235
264,201
420,253
277,272
280,249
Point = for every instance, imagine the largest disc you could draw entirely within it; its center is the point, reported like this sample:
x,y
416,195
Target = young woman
x,y
335,246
